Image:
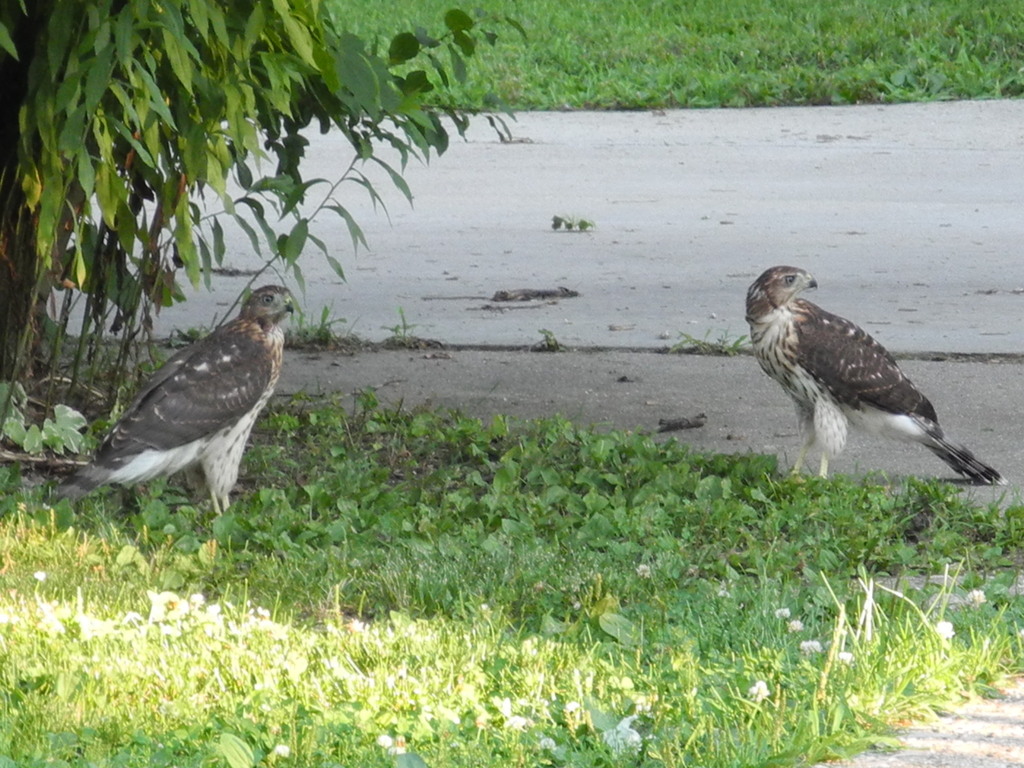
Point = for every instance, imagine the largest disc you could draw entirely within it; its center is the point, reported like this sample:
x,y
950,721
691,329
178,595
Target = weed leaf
x,y
237,753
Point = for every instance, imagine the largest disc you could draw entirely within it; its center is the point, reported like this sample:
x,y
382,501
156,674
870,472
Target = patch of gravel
x,y
985,733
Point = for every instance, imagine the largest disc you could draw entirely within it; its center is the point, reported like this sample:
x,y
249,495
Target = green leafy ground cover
x,y
706,53
424,589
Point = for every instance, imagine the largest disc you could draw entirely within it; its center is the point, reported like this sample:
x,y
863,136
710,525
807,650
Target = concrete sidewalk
x,y
910,216
745,411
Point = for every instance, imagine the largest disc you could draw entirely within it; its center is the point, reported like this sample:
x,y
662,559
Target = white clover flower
x,y
643,705
976,597
782,613
385,742
845,657
810,647
795,626
39,576
90,626
548,744
49,621
575,706
356,626
197,600
643,571
945,629
623,738
758,692
723,592
133,618
282,750
517,723
166,606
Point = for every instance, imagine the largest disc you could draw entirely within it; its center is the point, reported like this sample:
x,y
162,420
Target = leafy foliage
x,y
63,432
725,345
142,123
424,589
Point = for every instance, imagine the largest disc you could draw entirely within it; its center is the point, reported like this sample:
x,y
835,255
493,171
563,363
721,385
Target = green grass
x,y
706,53
421,588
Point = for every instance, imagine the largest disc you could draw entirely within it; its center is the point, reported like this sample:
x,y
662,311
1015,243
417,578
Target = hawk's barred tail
x,y
965,462
79,484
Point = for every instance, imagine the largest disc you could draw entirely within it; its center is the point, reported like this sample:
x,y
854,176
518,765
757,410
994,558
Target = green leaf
x,y
33,440
298,34
354,230
126,556
98,79
416,82
218,242
86,173
602,720
359,77
410,760
550,626
62,432
237,753
426,39
200,16
178,58
124,36
6,42
619,627
293,244
108,190
457,20
459,66
14,429
404,46
254,27
466,43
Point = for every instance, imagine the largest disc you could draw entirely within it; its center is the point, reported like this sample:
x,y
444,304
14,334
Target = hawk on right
x,y
837,374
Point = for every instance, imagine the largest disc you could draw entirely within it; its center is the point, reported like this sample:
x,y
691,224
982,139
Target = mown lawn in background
x,y
410,589
706,53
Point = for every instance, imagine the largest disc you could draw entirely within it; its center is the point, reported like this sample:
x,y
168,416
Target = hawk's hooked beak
x,y
812,283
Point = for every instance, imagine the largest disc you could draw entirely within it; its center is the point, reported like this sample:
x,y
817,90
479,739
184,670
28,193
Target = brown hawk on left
x,y
838,375
196,412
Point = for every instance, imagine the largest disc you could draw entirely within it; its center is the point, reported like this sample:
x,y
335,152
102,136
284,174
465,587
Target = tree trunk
x,y
18,281
19,264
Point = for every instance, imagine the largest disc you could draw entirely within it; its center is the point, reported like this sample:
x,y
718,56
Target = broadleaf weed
x,y
422,583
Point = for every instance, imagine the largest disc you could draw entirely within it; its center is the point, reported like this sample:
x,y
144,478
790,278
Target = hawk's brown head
x,y
776,287
268,305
